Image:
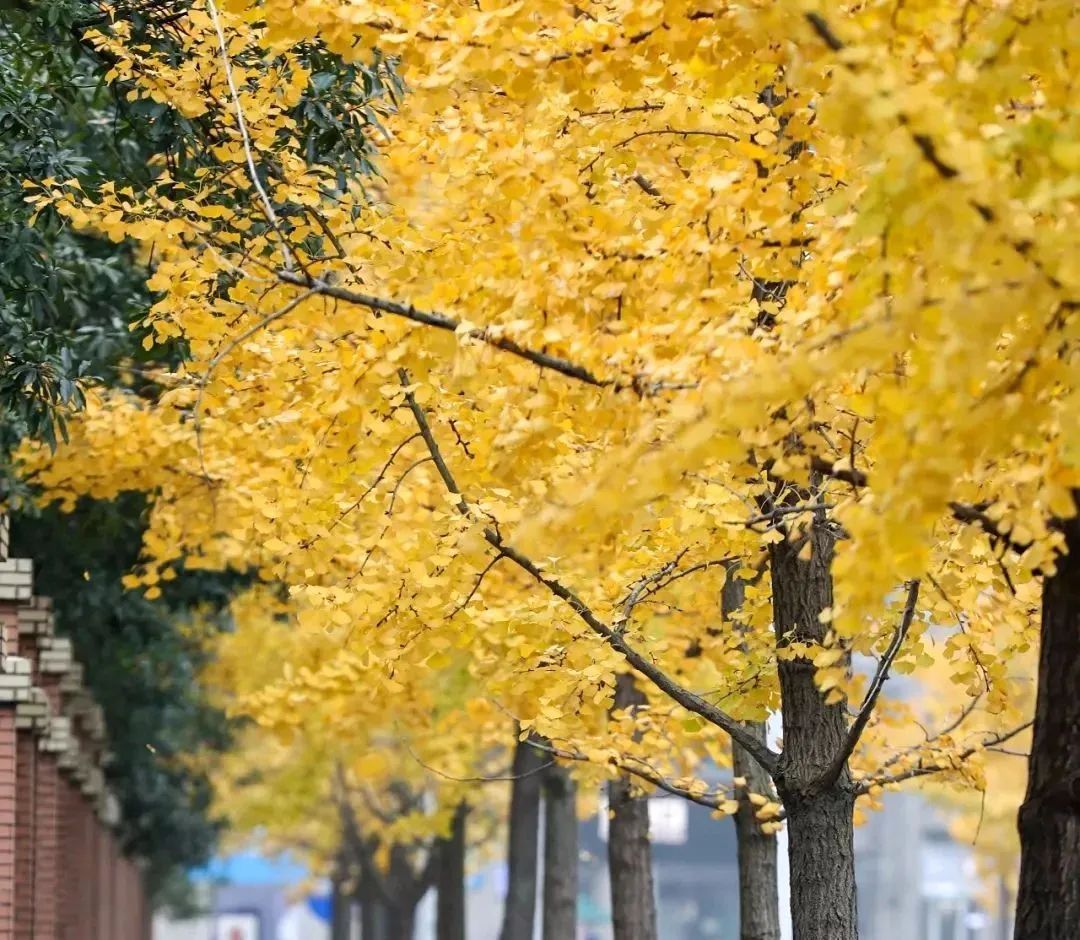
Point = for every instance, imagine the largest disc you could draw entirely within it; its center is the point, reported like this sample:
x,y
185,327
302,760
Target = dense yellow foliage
x,y
646,266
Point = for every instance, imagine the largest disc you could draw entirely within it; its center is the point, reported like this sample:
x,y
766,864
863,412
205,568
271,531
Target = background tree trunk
x,y
820,820
560,854
1048,900
520,911
341,922
372,913
633,904
401,922
759,904
450,914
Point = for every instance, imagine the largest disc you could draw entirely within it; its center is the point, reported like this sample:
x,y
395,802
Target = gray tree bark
x,y
401,922
341,916
759,904
1048,899
372,912
450,911
520,911
819,818
560,855
633,903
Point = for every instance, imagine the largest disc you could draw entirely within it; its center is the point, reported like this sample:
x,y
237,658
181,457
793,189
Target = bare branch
x,y
824,31
881,675
977,514
689,700
367,491
710,800
652,584
961,512
401,479
660,131
476,587
268,207
499,778
843,474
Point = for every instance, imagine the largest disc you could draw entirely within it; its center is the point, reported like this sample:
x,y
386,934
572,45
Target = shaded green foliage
x,y
65,300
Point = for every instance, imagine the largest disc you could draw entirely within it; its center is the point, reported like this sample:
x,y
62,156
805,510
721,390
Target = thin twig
x,y
401,479
476,587
374,483
228,348
633,767
246,138
499,778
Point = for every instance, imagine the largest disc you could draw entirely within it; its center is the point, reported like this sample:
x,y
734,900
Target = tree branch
x,y
977,514
876,685
227,348
684,697
961,512
495,778
441,321
924,770
707,799
268,206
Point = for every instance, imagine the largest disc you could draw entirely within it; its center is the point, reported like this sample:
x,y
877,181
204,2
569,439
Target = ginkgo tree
x,y
648,289
346,784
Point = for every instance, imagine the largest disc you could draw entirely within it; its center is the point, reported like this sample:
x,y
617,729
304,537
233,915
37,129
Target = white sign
x,y
237,927
669,820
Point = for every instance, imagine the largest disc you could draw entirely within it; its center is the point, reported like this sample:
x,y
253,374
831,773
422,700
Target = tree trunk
x,y
820,820
1048,900
450,915
520,912
759,905
401,921
560,855
821,858
341,912
373,920
633,904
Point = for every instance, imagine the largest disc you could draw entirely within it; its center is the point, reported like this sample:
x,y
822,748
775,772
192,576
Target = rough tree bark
x,y
759,904
560,855
819,815
1048,900
633,904
520,912
450,912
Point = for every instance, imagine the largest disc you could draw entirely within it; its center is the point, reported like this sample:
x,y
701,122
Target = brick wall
x,y
7,821
63,875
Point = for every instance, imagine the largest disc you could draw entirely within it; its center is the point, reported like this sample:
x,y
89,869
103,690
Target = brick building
x,y
62,873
